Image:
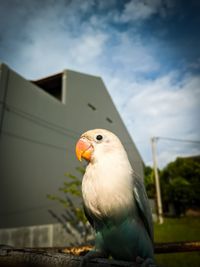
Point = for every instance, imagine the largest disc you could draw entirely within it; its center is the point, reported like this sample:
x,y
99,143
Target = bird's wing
x,y
88,215
143,205
96,222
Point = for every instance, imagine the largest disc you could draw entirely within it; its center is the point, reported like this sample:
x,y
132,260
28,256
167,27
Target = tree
x,y
73,216
180,184
149,181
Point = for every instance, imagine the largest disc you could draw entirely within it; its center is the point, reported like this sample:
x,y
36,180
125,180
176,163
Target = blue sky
x,y
146,51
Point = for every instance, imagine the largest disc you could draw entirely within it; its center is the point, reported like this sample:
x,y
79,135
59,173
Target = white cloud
x,y
162,107
60,43
137,9
87,47
168,151
57,42
132,55
57,38
140,10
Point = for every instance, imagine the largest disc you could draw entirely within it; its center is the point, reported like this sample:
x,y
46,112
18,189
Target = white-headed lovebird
x,y
115,200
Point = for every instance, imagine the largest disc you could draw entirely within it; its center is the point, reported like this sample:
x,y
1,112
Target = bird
x,y
114,200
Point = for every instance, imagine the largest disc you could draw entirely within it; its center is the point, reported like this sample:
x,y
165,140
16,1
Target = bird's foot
x,y
146,262
93,254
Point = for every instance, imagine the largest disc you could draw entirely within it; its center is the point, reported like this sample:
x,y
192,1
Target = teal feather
x,y
128,234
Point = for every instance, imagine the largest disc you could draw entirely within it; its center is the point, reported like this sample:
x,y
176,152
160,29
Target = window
x,y
52,85
91,106
109,120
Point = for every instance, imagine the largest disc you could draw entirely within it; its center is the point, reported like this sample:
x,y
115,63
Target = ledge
x,y
71,257
10,257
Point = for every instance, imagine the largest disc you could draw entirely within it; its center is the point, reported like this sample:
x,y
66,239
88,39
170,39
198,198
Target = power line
x,y
177,140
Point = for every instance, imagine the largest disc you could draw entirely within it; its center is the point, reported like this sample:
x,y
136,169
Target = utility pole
x,y
157,181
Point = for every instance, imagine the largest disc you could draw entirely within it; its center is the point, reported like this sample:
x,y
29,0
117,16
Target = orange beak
x,y
84,149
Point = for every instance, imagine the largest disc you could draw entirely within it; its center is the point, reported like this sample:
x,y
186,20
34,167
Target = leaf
x,y
71,194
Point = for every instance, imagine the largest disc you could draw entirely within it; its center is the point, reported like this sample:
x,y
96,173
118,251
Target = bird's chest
x,y
106,194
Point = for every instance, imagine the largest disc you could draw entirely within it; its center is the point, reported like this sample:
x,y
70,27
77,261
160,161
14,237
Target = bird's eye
x,y
99,137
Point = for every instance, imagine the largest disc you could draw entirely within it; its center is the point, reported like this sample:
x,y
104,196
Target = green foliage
x,y
71,202
149,181
180,184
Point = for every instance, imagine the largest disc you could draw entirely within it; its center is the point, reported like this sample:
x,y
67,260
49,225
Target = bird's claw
x,y
93,254
84,262
146,262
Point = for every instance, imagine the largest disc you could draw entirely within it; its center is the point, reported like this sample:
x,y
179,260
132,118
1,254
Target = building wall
x,y
46,235
32,153
38,134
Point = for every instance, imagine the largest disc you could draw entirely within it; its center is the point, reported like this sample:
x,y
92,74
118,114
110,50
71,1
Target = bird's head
x,y
96,143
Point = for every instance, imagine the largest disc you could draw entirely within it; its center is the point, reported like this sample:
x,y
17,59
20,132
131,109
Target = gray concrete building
x,y
40,122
